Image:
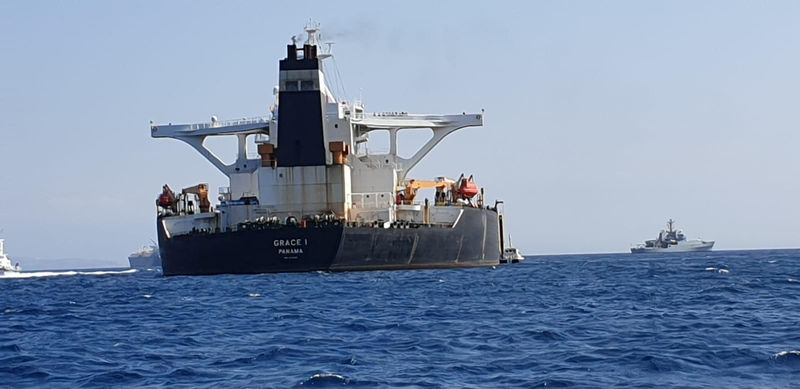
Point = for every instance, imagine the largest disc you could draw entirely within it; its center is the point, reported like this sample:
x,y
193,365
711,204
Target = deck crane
x,y
410,191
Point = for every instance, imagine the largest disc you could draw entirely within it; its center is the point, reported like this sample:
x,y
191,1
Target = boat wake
x,y
40,274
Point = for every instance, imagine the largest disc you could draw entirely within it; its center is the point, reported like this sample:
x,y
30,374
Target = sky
x,y
602,119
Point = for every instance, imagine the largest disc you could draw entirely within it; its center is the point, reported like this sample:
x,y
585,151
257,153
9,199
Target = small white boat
x,y
5,263
511,254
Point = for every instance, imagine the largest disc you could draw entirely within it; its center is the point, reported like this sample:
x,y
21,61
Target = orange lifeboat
x,y
468,189
167,198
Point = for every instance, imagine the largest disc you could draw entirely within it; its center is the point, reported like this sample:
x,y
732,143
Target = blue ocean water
x,y
721,319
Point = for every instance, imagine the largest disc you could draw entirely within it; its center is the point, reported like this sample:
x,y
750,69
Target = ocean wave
x,y
4,348
325,379
349,361
657,363
545,334
793,356
112,378
587,321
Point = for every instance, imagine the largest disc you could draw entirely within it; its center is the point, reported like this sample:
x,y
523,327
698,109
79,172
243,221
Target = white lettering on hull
x,y
290,242
290,248
290,251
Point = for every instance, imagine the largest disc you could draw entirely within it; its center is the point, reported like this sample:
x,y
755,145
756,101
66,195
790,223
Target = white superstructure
x,y
5,262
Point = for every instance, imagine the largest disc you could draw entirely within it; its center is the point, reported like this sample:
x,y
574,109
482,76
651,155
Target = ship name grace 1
x,y
290,246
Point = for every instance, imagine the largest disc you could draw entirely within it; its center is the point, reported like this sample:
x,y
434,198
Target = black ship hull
x,y
473,241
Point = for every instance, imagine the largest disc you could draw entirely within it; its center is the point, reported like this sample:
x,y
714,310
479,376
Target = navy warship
x,y
317,197
674,241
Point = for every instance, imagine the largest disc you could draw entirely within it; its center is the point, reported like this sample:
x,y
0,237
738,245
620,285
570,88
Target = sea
x,y
723,319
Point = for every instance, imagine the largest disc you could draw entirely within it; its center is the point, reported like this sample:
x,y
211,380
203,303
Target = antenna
x,y
312,29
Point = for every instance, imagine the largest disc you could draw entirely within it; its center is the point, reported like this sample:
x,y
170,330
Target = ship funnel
x,y
300,133
309,52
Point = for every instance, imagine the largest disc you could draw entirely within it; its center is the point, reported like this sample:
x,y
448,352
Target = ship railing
x,y
372,200
229,123
402,116
390,114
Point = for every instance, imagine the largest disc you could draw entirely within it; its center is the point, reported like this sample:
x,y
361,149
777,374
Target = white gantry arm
x,y
441,125
195,135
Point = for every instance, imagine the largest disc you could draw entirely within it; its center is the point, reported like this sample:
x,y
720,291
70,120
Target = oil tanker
x,y
316,197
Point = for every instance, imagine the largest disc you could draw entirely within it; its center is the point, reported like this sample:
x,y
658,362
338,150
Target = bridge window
x,y
291,86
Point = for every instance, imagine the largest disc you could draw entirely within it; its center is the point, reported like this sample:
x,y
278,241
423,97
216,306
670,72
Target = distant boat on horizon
x,y
5,263
511,254
147,257
671,240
